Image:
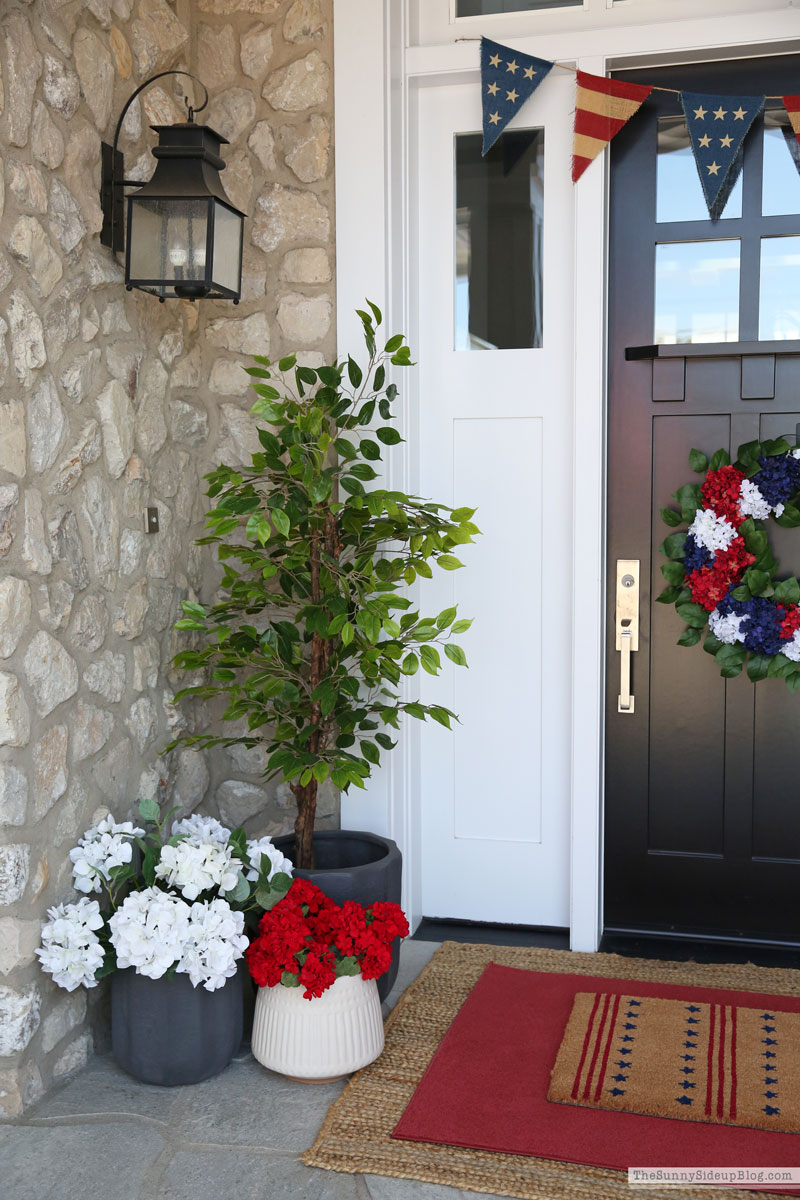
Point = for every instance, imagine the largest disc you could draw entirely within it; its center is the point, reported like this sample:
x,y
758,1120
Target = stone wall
x,y
111,402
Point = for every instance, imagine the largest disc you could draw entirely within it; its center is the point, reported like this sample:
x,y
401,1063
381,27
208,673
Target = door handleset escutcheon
x,y
626,623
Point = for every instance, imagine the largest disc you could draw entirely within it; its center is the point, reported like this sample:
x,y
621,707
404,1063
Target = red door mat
x,y
486,1087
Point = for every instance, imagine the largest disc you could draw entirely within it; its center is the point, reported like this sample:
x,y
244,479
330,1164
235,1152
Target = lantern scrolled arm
x,y
184,237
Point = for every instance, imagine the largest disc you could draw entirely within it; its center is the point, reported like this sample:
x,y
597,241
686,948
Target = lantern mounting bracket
x,y
112,181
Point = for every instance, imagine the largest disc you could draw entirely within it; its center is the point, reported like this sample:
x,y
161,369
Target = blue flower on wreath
x,y
779,477
762,623
695,555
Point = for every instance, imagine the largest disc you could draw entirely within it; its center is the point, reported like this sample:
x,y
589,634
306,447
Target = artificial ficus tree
x,y
312,633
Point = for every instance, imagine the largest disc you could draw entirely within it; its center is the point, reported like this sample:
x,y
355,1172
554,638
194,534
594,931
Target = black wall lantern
x,y
184,236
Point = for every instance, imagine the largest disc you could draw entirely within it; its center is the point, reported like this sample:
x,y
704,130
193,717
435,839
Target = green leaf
x,y
779,666
347,633
462,626
409,665
289,980
788,591
280,521
388,435
712,643
731,656
755,581
673,572
441,715
149,866
348,966
674,545
689,637
758,666
693,615
741,592
429,657
354,372
732,671
669,595
670,517
286,364
456,654
775,446
720,458
449,562
698,461
240,892
789,518
148,809
394,343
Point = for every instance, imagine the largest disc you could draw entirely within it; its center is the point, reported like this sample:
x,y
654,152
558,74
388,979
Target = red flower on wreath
x,y
307,935
721,492
710,585
791,619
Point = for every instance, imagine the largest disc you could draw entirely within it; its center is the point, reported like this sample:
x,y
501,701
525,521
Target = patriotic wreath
x,y
722,573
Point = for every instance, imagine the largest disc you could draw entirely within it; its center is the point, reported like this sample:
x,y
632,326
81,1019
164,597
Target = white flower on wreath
x,y
792,648
215,942
103,847
204,829
727,628
263,846
149,931
71,951
194,866
712,531
753,503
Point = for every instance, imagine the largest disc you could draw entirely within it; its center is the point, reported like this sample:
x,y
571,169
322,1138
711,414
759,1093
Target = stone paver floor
x,y
103,1136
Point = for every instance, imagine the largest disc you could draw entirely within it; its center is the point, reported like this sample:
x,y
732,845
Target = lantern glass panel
x,y
227,248
168,239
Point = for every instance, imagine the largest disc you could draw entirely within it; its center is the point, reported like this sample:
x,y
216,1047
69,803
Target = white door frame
x,y
376,80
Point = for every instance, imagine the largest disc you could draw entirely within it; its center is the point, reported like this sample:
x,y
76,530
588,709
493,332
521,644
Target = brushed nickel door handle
x,y
626,620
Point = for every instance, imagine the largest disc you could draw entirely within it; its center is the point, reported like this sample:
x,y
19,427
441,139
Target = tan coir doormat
x,y
693,1061
356,1136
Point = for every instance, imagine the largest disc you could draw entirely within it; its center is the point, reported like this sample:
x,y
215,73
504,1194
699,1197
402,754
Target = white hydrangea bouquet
x,y
168,904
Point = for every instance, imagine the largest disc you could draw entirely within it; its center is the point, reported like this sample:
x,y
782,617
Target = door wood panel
x,y
702,816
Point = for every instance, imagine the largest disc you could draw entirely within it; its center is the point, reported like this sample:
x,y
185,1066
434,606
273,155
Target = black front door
x,y
702,821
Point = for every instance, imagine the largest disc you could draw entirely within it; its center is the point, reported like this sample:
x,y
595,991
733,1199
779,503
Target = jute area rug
x,y
356,1136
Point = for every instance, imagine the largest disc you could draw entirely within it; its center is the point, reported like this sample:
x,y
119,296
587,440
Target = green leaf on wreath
x,y
698,461
789,518
741,592
673,572
749,454
693,615
674,545
755,580
788,591
793,682
689,637
775,446
720,458
757,667
712,643
669,595
731,656
670,517
731,672
779,666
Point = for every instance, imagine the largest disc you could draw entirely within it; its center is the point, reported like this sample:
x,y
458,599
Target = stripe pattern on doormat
x,y
689,1060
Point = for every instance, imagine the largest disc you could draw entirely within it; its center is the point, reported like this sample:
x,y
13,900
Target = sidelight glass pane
x,y
679,195
488,8
779,300
498,236
780,182
697,292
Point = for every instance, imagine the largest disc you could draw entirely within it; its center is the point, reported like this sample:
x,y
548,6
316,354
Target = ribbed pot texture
x,y
322,1038
165,1031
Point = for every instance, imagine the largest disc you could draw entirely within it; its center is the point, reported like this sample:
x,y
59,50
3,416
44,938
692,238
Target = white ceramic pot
x,y
322,1038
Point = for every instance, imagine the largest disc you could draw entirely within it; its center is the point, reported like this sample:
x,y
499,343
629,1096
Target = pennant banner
x,y
602,108
717,127
792,106
508,79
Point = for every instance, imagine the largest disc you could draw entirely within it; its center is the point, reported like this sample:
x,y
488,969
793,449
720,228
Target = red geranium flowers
x,y
307,939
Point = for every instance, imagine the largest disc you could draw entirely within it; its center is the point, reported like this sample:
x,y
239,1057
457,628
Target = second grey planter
x,y
167,1032
353,865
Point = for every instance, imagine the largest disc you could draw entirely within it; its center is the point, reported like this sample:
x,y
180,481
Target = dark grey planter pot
x,y
167,1032
352,865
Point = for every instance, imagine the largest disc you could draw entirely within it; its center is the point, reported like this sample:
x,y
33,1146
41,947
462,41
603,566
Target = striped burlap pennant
x,y
690,1060
602,107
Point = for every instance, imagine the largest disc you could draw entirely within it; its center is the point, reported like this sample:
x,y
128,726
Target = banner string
x,y
574,70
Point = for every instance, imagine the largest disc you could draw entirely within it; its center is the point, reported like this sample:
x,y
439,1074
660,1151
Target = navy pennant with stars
x,y
717,127
508,79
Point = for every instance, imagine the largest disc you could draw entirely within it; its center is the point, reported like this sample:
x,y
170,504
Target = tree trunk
x,y
306,798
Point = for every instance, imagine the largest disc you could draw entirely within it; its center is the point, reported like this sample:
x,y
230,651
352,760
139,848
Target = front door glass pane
x,y
488,8
780,183
498,241
779,300
679,195
697,292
